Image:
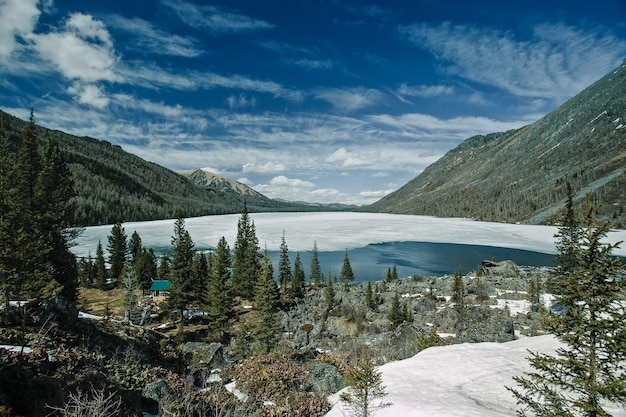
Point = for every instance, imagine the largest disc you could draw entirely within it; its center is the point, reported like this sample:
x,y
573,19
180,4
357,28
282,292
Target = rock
x,y
503,268
325,378
484,324
204,355
157,390
56,310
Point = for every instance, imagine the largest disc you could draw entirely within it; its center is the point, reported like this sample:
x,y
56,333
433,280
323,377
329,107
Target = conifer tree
x,y
366,390
298,279
316,269
396,313
134,247
145,267
118,250
284,270
388,276
101,269
6,165
347,276
247,257
458,290
181,290
370,299
589,371
53,192
534,293
200,276
163,270
394,273
219,299
266,301
130,285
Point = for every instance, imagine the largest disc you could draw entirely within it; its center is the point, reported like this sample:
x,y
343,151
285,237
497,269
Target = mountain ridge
x,y
521,175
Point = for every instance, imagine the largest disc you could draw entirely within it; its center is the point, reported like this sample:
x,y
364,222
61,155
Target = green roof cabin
x,y
158,286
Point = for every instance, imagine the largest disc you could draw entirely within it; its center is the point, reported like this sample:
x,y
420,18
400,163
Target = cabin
x,y
159,287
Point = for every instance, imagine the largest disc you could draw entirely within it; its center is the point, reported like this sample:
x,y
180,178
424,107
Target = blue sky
x,y
324,101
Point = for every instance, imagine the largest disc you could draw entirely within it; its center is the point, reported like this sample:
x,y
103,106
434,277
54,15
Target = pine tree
x,y
266,301
589,371
458,290
534,293
388,276
145,267
298,281
284,271
370,299
200,276
134,247
101,269
347,276
316,269
163,270
247,257
130,284
394,273
180,292
118,251
53,193
396,313
219,299
366,390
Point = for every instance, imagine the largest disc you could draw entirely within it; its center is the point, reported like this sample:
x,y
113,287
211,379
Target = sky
x,y
319,101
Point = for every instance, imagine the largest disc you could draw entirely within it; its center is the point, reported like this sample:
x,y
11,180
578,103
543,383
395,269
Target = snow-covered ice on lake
x,y
336,231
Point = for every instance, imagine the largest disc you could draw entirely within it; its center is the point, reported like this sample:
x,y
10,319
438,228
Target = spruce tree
x,y
298,281
329,293
219,299
118,250
396,313
145,267
266,302
365,391
316,269
101,269
284,271
181,290
163,270
370,299
589,371
53,193
134,247
247,257
458,290
347,276
394,273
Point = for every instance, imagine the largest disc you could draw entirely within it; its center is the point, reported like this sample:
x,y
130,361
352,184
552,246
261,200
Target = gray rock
x,y
484,324
157,390
56,310
503,268
204,355
325,378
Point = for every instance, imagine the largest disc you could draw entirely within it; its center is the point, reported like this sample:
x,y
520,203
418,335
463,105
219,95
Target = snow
x,y
336,231
458,380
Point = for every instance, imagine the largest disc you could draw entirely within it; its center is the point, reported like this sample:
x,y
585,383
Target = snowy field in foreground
x,y
338,231
465,380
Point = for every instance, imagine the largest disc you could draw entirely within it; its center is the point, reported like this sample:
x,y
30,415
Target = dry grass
x,y
95,301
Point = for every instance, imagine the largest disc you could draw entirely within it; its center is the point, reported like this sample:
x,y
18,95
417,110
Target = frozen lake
x,y
375,242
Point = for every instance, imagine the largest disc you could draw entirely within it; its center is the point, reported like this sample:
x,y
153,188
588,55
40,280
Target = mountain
x,y
113,185
521,175
211,180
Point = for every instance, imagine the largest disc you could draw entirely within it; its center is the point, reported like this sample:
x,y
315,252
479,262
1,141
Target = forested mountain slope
x,y
113,185
521,175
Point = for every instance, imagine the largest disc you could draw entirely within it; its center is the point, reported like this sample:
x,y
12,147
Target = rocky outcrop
x,y
484,324
502,268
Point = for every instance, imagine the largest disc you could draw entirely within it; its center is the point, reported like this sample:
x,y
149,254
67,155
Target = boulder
x,y
325,378
484,324
502,268
56,310
204,355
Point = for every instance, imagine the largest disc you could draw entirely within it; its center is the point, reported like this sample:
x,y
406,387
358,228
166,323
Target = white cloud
x,y
241,101
354,159
557,62
153,40
282,181
425,90
90,94
214,18
351,99
268,167
17,20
